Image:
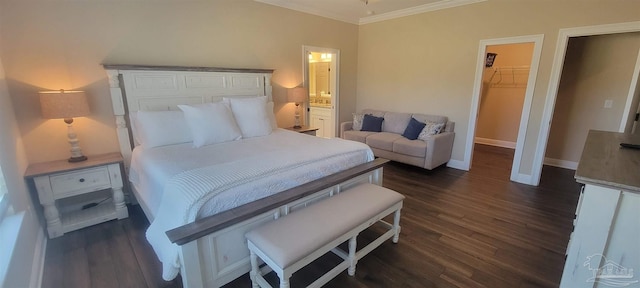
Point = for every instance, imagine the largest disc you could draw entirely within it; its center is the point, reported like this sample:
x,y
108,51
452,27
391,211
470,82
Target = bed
x,y
201,201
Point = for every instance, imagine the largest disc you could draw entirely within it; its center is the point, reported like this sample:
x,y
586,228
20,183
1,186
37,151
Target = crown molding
x,y
444,4
440,5
305,9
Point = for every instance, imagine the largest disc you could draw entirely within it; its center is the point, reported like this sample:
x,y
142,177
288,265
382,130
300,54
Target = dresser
x,y
604,249
80,194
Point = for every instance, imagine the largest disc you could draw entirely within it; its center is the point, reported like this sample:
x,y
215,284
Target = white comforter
x,y
230,174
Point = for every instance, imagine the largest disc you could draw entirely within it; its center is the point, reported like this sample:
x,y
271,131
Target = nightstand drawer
x,y
78,182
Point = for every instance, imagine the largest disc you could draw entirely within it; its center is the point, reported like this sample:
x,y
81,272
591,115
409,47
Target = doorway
x,y
564,36
512,74
593,92
504,84
321,70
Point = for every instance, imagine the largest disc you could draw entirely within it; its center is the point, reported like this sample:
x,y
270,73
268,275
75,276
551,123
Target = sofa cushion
x,y
383,140
413,129
416,148
372,123
395,122
360,136
424,118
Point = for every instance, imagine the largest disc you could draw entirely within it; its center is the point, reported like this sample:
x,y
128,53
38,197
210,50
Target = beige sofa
x,y
430,153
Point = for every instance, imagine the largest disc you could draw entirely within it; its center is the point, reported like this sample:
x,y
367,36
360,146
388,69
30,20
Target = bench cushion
x,y
292,237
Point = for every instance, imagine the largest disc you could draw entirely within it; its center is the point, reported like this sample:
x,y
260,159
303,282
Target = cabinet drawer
x,y
77,182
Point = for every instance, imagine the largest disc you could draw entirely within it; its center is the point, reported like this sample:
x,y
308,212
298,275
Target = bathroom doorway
x,y
321,79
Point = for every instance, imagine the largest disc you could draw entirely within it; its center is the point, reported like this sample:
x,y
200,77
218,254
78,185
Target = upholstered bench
x,y
295,240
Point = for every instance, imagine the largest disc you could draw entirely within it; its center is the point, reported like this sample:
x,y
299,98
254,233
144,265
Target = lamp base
x,y
77,159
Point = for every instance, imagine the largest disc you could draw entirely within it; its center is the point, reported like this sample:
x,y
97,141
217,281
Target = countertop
x,y
605,163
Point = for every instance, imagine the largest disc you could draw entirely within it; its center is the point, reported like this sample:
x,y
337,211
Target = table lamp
x,y
297,95
66,105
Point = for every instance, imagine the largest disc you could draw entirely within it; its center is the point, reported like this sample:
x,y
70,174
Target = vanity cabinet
x,y
321,118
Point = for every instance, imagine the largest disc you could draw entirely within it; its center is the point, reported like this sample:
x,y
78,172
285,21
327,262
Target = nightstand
x,y
304,130
64,190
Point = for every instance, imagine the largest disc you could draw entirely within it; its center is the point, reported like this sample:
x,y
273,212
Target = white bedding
x,y
234,173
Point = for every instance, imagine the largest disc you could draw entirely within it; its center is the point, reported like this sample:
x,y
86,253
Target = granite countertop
x,y
605,163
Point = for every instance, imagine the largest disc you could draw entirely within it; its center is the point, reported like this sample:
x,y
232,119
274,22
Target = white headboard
x,y
136,87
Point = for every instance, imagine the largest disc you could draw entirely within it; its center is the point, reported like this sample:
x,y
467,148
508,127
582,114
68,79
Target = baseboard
x,y
457,164
494,142
524,179
561,163
37,269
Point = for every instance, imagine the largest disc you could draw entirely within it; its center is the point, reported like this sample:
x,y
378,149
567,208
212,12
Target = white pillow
x,y
431,128
160,128
357,121
210,123
272,117
251,116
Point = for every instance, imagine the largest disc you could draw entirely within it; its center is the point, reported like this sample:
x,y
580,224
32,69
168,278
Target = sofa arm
x,y
345,126
439,148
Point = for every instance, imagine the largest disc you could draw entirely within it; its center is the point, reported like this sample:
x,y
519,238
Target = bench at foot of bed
x,y
295,240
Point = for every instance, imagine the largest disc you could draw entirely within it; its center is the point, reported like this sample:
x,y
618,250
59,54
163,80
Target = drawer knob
x,y
81,180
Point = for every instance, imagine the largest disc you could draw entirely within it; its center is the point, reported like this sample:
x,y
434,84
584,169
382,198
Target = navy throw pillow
x,y
372,123
413,129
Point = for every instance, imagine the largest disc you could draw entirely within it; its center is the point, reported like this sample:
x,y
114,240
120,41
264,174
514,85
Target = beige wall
x,y
58,44
503,93
426,62
13,161
597,68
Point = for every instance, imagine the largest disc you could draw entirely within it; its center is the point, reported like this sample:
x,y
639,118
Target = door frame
x,y
554,82
537,41
633,89
335,81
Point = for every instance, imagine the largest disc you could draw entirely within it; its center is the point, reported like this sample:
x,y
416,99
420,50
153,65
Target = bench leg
x,y
284,283
352,256
254,269
396,226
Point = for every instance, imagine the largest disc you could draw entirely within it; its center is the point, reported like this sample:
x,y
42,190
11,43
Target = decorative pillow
x,y
211,123
160,128
430,128
372,123
357,121
413,129
251,115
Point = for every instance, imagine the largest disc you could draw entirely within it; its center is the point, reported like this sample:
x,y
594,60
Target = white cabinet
x,y
321,118
604,250
605,244
62,185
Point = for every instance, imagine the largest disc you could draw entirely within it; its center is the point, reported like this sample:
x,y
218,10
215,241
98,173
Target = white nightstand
x,y
62,185
304,130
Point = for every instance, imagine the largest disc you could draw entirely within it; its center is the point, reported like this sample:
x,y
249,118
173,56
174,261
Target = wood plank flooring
x,y
459,229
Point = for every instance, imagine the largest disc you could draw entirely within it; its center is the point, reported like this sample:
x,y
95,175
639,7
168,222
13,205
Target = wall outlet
x,y
608,103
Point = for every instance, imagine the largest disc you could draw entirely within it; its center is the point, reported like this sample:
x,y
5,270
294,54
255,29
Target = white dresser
x,y
604,250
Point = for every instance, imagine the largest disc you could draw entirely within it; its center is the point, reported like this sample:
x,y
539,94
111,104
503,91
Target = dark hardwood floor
x,y
459,229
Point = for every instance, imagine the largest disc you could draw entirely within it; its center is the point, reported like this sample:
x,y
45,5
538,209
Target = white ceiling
x,y
366,11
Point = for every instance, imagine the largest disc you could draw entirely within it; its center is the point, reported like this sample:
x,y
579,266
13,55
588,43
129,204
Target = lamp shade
x,y
297,94
63,104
